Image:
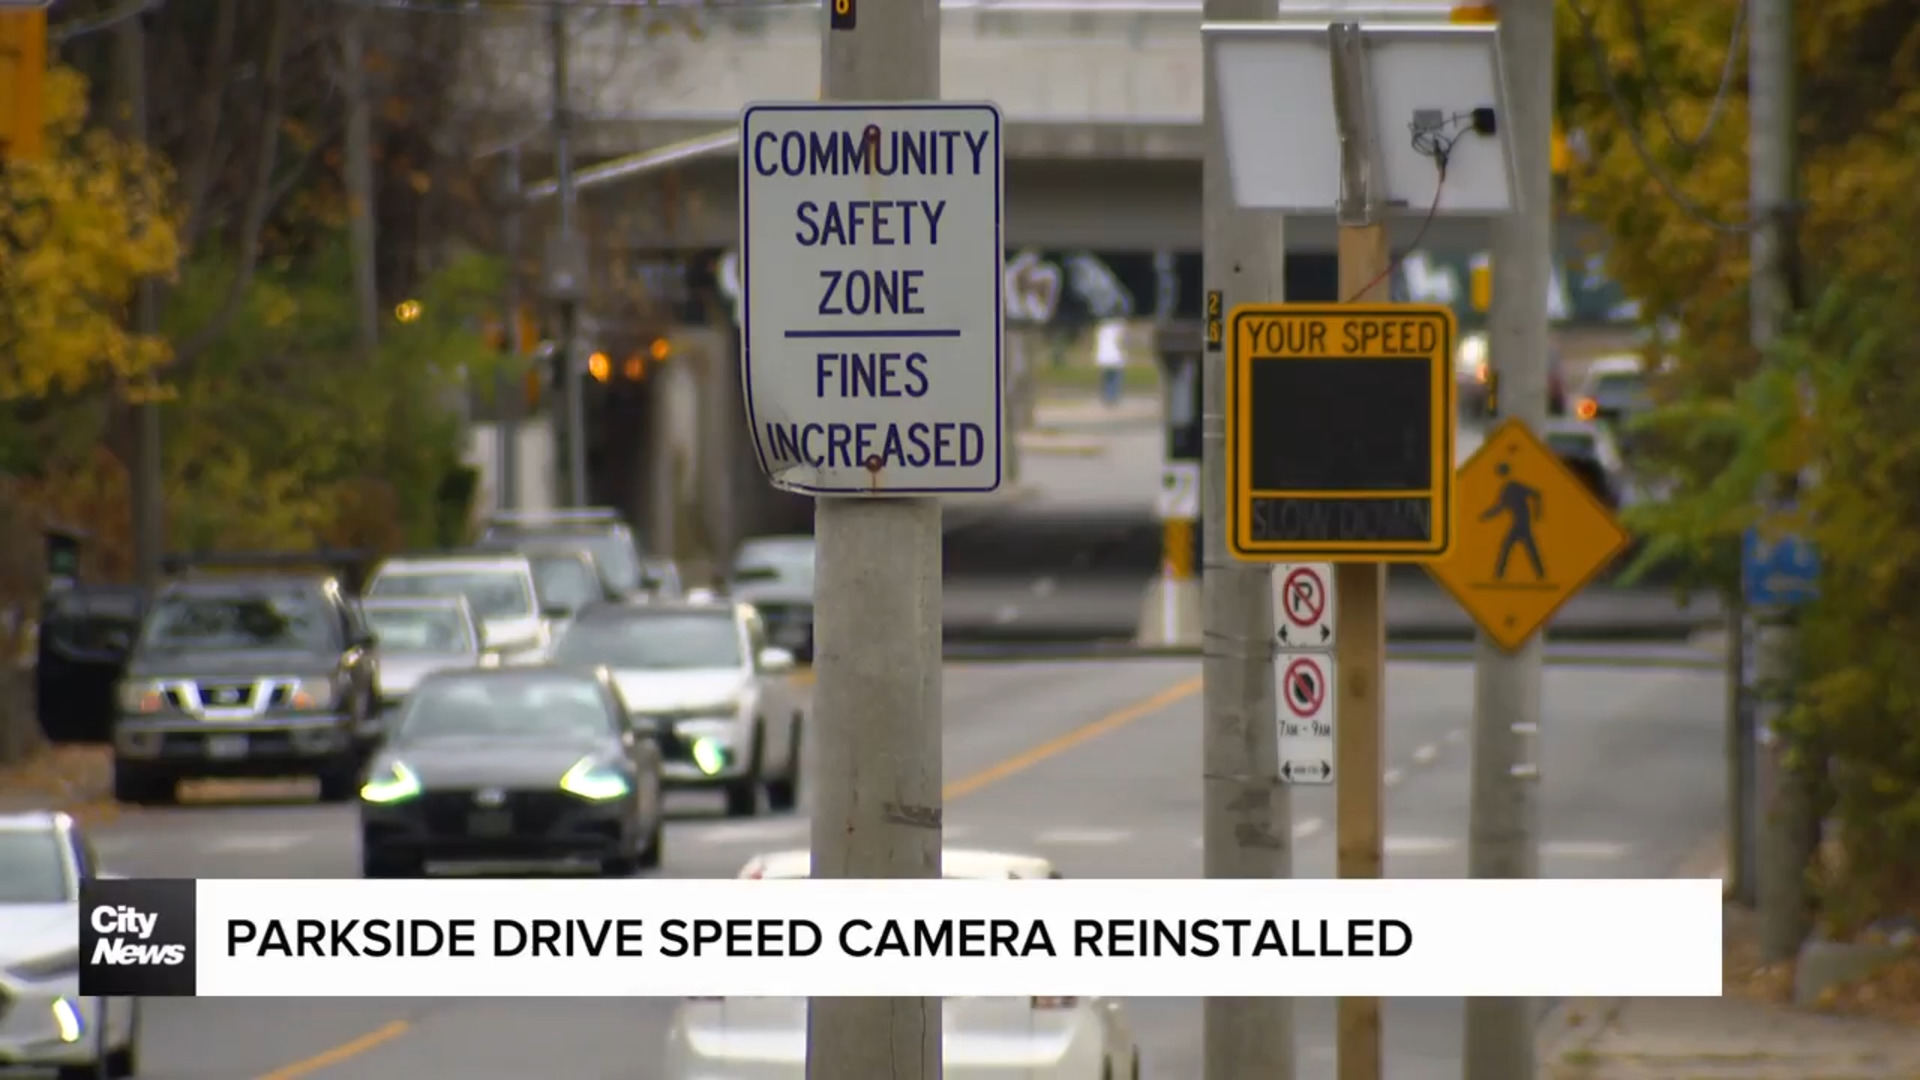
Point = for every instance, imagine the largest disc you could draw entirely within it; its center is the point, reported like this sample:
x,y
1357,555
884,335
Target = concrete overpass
x,y
1102,101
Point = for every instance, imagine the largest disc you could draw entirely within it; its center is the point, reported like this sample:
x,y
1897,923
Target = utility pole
x,y
149,523
567,270
1360,589
1248,822
507,385
1788,830
877,789
360,186
1503,813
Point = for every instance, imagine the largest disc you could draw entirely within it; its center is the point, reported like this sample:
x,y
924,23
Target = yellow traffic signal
x,y
23,83
1474,13
407,311
660,349
1480,285
599,366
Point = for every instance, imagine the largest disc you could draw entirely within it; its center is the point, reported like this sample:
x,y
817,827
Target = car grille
x,y
533,811
226,695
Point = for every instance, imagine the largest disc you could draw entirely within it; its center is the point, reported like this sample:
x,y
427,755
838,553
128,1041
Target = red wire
x,y
1425,224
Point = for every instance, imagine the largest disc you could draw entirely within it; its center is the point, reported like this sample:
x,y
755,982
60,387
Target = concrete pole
x,y
507,385
877,799
572,393
1790,830
1503,815
149,521
1248,822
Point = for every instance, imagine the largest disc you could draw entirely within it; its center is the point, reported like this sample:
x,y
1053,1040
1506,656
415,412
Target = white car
x,y
44,1022
499,589
1029,1038
703,678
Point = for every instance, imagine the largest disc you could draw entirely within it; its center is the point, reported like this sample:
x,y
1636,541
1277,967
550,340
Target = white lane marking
x,y
1392,777
1083,837
1426,754
1044,587
745,832
1584,849
1456,736
257,843
1419,845
1007,613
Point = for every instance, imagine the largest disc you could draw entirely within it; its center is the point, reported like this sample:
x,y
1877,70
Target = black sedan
x,y
512,765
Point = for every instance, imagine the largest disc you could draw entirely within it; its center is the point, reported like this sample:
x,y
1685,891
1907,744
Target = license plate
x,y
489,823
226,746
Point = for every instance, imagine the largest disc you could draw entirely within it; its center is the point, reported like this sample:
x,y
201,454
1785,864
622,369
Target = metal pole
x,y
877,798
1503,838
1787,833
507,384
1248,822
1359,593
149,523
571,391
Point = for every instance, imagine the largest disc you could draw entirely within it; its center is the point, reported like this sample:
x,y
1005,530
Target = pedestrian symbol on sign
x,y
1523,506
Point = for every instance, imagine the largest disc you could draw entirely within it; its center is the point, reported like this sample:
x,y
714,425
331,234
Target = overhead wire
x,y
1630,123
1721,94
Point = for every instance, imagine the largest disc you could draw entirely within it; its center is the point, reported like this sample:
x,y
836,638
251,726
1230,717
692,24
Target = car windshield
x,y
1619,388
786,564
520,707
33,868
491,594
419,630
1572,444
263,620
614,553
653,641
564,581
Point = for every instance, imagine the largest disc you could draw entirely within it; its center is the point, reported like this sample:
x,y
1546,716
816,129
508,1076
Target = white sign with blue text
x,y
871,291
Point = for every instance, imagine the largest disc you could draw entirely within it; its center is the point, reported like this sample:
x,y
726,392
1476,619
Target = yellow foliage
x,y
78,229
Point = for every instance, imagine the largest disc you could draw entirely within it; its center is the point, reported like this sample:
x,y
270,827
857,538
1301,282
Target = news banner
x,y
938,938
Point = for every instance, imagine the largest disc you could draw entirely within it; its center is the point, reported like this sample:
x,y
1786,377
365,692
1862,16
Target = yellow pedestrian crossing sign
x,y
1529,536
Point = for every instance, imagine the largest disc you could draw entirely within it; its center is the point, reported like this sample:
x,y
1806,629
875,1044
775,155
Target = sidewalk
x,y
1733,1037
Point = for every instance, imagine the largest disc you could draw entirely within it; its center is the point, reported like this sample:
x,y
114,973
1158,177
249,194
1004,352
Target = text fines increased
x,y
832,938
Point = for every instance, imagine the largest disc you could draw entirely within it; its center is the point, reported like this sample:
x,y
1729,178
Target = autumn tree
x,y
78,228
1655,89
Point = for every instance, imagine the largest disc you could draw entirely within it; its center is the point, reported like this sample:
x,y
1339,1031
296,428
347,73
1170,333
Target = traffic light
x,y
23,82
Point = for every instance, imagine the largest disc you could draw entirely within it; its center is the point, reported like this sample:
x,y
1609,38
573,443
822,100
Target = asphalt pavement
x,y
1093,764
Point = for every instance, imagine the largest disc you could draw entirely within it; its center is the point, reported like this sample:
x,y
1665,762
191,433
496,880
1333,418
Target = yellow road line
x,y
1054,747
352,1048
966,785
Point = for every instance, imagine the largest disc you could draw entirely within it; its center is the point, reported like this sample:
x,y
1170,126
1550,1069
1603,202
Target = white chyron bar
x,y
871,292
826,938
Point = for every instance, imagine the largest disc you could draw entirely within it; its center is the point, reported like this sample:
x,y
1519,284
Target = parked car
x,y
1034,1038
248,676
1589,450
703,678
775,575
598,530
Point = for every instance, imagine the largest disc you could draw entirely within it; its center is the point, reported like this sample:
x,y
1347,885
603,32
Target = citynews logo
x,y
129,945
136,938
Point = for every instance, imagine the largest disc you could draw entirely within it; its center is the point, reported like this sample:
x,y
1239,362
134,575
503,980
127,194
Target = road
x,y
1096,765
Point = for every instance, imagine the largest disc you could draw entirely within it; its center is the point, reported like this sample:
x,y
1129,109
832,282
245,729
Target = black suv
x,y
248,676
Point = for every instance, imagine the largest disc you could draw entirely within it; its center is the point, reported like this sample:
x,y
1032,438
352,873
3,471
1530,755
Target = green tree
x,y
1651,90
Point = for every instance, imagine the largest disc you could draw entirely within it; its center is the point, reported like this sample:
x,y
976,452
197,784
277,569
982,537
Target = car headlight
x,y
142,696
311,695
51,966
397,784
594,780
